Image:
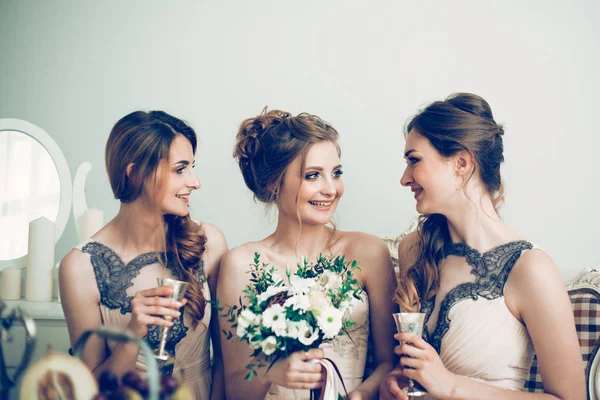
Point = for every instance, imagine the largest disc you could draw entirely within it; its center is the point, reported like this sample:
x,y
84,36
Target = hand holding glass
x,y
411,322
179,288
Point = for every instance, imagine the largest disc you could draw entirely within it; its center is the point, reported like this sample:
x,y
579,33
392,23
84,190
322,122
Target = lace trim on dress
x,y
114,277
491,270
349,343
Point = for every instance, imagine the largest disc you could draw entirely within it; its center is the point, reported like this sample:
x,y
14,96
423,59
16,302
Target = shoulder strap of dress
x,y
80,246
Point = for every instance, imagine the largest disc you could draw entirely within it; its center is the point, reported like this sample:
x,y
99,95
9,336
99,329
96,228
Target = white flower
x,y
346,305
269,345
241,329
293,328
273,317
330,280
298,302
318,301
245,319
301,285
271,291
248,317
306,334
330,322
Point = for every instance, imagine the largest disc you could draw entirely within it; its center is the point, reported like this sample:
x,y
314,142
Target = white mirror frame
x,y
64,176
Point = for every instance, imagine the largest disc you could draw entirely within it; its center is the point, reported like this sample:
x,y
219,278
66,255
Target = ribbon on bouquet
x,y
333,379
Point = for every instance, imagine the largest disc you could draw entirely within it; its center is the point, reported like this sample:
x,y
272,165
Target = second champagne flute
x,y
179,289
411,322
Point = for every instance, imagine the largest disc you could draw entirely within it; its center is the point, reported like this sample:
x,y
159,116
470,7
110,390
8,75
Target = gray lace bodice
x,y
491,269
114,277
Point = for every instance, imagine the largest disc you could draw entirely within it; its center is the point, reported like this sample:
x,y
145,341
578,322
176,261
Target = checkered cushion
x,y
586,309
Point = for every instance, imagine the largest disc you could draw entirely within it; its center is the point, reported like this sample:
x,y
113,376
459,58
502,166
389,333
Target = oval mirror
x,y
34,181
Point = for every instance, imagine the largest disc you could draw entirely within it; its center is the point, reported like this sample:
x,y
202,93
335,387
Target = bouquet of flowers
x,y
282,317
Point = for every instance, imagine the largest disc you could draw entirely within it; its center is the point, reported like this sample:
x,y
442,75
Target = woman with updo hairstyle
x,y
293,164
489,295
111,279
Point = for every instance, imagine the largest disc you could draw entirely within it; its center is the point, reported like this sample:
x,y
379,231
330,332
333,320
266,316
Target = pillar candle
x,y
11,284
92,221
40,260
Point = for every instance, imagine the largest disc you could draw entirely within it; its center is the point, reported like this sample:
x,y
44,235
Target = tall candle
x,y
11,284
92,221
40,260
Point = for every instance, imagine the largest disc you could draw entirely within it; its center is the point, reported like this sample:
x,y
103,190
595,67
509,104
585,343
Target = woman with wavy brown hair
x,y
489,295
111,280
293,163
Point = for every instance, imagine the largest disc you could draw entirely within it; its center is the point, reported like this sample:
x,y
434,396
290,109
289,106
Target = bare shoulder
x,y
212,233
76,275
216,246
76,263
533,277
369,250
408,250
239,258
535,268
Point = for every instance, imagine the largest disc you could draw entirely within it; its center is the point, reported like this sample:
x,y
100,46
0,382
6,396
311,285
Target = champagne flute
x,y
411,322
179,288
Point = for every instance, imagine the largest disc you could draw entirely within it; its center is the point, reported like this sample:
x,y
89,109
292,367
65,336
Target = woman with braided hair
x,y
490,297
293,163
111,279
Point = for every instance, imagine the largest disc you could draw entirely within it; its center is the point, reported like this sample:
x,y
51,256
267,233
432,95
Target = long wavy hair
x,y
144,140
463,121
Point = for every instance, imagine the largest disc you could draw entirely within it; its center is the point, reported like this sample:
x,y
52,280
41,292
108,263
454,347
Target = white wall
x,y
74,68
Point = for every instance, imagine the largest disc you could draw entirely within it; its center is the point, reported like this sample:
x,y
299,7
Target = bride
x,y
293,163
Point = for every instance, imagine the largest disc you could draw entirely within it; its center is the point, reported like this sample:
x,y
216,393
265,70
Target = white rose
x,y
269,345
331,280
318,301
298,302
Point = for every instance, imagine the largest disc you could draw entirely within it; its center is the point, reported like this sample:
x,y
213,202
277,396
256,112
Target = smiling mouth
x,y
183,196
417,192
320,203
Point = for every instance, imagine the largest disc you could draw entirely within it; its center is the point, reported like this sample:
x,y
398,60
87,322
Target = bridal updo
x,y
268,143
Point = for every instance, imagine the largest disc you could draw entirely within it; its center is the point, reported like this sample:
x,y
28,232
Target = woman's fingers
x,y
313,354
412,351
162,291
411,338
162,311
410,362
153,320
156,301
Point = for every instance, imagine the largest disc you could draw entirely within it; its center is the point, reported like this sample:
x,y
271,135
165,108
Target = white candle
x,y
92,221
11,284
40,260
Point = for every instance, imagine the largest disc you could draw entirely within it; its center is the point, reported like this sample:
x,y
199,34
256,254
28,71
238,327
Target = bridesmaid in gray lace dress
x,y
293,164
489,295
111,279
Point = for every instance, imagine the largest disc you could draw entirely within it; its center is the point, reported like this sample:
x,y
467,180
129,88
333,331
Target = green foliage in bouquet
x,y
281,317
